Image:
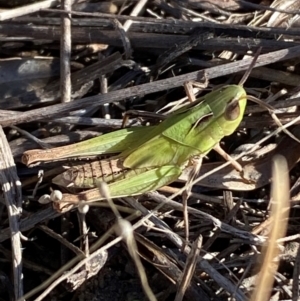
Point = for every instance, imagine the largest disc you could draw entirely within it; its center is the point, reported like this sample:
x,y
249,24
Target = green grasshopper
x,y
151,157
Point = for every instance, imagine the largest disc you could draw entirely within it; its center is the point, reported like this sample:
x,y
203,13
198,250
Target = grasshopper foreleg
x,y
227,157
196,163
232,161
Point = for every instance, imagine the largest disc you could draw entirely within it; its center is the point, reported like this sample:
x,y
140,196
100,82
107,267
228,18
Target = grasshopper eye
x,y
232,111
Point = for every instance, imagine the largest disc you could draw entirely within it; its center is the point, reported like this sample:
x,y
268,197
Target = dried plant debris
x,y
134,69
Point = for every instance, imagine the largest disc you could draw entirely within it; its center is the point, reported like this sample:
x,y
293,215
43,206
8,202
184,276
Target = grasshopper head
x,y
236,101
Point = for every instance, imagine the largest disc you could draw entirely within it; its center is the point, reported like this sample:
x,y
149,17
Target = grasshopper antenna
x,y
273,115
247,73
261,103
258,101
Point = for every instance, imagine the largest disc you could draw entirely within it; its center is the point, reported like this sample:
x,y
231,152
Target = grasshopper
x,y
151,157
